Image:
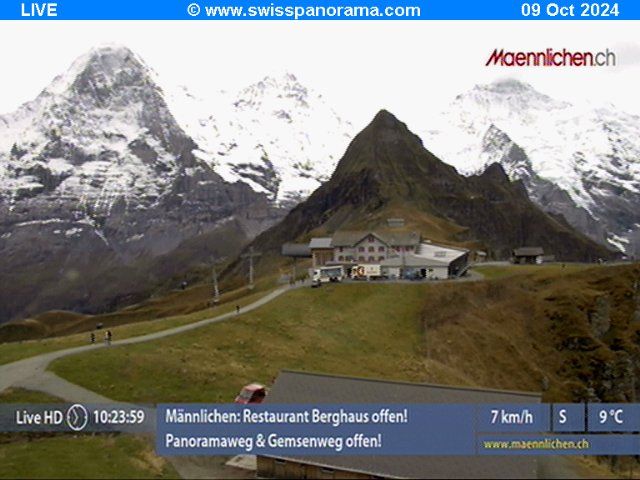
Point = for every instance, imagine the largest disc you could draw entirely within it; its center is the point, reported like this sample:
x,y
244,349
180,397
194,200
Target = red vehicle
x,y
252,393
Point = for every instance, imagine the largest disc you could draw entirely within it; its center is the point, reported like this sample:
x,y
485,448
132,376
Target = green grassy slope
x,y
369,330
536,330
21,395
14,351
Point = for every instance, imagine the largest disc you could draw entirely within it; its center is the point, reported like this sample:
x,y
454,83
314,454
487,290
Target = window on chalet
x,y
381,249
372,249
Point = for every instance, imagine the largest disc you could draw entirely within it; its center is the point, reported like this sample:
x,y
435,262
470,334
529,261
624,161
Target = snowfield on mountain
x,y
102,198
277,135
590,152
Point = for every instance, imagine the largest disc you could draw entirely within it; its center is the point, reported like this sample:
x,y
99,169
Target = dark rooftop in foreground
x,y
301,387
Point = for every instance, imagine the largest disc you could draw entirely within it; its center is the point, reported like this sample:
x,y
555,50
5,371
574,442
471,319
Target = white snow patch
x,y
59,166
41,222
620,243
135,238
73,232
102,237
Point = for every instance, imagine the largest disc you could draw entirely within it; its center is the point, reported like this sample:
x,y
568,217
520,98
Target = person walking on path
x,y
93,338
237,309
107,337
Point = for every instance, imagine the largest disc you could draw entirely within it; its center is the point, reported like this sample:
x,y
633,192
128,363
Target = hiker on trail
x,y
107,337
237,309
93,338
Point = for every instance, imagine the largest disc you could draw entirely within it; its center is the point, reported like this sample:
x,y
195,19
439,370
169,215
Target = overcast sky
x,y
408,67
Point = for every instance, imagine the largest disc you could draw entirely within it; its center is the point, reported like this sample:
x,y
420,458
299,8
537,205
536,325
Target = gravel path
x,y
32,372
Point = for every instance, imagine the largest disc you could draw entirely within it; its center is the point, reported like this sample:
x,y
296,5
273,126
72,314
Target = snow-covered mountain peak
x,y
277,135
587,151
99,132
102,76
508,86
507,96
105,66
283,91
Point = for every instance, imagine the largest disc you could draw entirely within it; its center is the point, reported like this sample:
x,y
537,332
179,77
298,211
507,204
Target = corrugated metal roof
x,y
309,388
528,251
348,238
320,242
402,238
413,261
296,250
447,254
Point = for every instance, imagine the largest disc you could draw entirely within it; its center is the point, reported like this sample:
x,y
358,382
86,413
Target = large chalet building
x,y
362,247
402,254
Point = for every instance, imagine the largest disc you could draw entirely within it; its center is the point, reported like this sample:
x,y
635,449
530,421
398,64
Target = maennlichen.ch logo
x,y
552,58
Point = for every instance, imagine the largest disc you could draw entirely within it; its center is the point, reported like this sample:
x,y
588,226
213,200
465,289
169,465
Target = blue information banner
x,y
321,10
388,429
315,430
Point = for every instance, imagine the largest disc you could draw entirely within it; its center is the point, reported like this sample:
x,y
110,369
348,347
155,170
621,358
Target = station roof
x,y
528,252
320,242
440,253
413,261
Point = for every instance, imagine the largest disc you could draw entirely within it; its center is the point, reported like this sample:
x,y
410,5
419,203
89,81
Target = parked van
x,y
367,272
327,274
